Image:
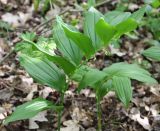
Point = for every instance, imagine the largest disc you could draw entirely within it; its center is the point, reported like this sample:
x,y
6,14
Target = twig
x,y
8,55
34,30
102,3
49,20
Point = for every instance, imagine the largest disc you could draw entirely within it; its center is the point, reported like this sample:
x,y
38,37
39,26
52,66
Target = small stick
x,y
49,20
34,30
102,3
8,55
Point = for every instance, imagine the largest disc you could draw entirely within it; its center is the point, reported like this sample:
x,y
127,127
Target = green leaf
x,y
92,16
138,15
5,26
125,27
80,72
91,3
105,31
105,88
153,52
45,48
24,47
122,87
155,3
28,36
91,77
66,65
46,6
66,46
44,71
82,41
30,109
153,25
116,17
132,71
46,45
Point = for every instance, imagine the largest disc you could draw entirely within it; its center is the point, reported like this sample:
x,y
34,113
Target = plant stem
x,y
61,111
99,114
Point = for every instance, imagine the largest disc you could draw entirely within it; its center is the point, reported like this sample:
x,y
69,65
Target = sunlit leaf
x,y
125,27
105,31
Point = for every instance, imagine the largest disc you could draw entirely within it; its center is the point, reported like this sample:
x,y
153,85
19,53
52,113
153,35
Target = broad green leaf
x,y
30,109
91,77
80,72
116,17
92,16
138,15
132,71
153,52
125,27
105,31
45,48
24,47
66,65
44,71
66,46
82,41
156,3
123,89
105,88
153,25
91,3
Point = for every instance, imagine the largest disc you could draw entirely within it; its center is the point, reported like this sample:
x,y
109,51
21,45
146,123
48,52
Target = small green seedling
x,y
41,60
46,5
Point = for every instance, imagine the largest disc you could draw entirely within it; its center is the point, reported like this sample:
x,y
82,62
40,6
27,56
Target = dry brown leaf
x,y
70,126
40,117
46,91
116,51
136,116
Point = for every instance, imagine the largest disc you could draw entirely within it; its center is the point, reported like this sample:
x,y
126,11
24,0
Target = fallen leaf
x,y
3,113
5,94
116,51
45,92
16,20
70,126
155,90
40,117
31,94
4,1
144,122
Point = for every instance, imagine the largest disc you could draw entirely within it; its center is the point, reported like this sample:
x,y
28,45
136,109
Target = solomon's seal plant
x,y
40,59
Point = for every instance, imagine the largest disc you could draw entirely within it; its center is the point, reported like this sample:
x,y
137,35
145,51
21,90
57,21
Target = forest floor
x,y
17,87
